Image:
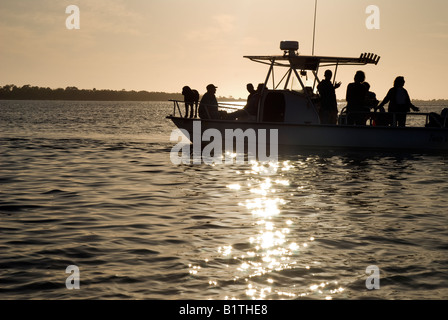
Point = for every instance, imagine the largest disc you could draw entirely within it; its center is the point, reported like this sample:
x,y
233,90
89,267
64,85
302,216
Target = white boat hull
x,y
335,136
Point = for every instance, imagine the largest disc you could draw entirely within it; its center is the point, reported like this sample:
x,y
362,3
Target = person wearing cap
x,y
208,107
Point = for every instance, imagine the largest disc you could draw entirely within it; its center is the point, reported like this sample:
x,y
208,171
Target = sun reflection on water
x,y
272,246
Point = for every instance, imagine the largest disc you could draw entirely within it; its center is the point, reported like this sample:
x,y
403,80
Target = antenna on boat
x,y
314,28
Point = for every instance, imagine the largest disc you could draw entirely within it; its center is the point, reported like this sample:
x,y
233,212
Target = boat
x,y
295,113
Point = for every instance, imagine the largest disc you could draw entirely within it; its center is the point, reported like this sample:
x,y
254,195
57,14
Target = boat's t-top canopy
x,y
312,63
301,64
293,60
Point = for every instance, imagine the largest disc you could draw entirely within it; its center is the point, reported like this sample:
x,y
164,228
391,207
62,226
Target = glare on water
x,y
272,247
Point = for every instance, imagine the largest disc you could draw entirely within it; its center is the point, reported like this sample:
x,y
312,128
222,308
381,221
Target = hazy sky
x,y
161,45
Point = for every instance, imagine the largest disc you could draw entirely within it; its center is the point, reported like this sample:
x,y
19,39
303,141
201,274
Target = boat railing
x,y
221,105
176,107
390,118
375,118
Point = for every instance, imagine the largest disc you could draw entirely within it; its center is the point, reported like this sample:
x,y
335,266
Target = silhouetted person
x,y
356,96
252,103
328,112
399,101
378,118
208,108
371,101
250,110
250,88
191,99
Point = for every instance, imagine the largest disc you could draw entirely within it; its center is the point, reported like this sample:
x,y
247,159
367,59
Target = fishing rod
x,y
314,28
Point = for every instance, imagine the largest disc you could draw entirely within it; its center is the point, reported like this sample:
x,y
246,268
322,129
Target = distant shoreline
x,y
28,92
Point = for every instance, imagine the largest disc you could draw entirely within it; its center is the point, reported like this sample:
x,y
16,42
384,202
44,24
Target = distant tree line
x,y
28,92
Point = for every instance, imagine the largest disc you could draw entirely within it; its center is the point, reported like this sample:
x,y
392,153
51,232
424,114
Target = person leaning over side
x,y
399,101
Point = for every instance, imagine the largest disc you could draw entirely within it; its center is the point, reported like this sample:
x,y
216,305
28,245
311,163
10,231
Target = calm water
x,y
91,184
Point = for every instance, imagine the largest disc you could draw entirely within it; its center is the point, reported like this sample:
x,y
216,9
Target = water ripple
x,y
107,199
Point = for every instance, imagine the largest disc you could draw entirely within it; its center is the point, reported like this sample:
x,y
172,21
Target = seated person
x,y
208,107
250,110
370,100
